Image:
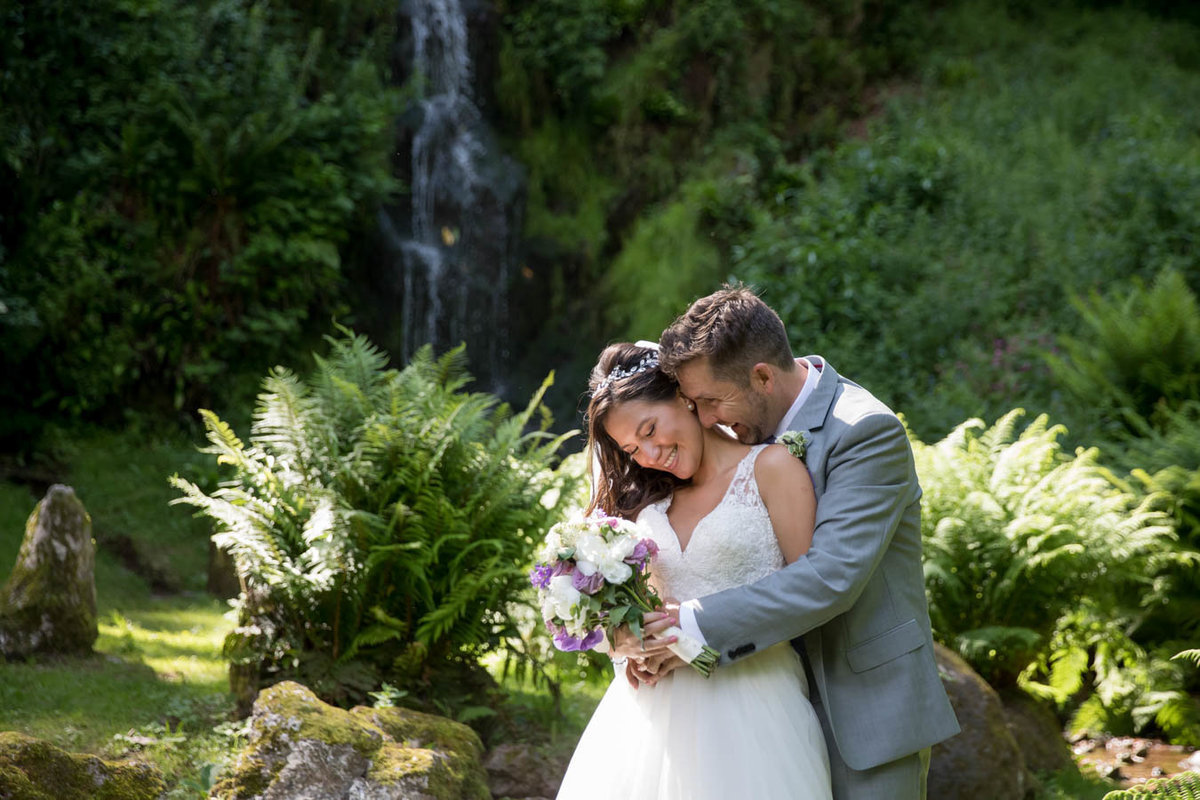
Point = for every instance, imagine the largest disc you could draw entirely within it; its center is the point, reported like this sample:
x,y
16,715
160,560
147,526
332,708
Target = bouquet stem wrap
x,y
699,657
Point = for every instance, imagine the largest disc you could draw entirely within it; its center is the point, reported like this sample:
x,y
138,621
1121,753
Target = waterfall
x,y
452,246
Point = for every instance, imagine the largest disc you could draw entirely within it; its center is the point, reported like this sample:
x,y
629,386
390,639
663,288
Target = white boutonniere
x,y
796,442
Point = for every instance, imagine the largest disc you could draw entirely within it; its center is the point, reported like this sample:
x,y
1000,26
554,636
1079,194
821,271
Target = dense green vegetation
x,y
1028,156
182,180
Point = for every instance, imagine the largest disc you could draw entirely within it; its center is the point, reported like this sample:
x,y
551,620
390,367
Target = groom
x,y
855,605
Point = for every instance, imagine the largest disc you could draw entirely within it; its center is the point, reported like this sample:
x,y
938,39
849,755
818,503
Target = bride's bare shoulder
x,y
775,465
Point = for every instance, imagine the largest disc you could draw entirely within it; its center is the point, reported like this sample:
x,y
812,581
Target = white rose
x,y
563,596
616,571
622,546
548,554
568,532
593,554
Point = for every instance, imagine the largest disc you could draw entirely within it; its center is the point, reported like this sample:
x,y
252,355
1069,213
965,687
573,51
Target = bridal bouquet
x,y
592,576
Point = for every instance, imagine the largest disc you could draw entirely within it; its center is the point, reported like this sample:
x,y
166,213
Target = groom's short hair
x,y
733,329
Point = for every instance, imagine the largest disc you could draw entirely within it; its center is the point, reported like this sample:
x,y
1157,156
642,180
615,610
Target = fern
x,y
1192,655
381,517
1016,532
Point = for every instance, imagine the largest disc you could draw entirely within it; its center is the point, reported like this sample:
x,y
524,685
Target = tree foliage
x,y
381,521
184,180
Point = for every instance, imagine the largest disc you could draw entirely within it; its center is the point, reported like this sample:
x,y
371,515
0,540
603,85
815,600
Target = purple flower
x,y
644,550
588,584
566,642
540,576
592,639
562,568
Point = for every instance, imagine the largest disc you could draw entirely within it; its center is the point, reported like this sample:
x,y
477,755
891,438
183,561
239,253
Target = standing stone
x,y
49,602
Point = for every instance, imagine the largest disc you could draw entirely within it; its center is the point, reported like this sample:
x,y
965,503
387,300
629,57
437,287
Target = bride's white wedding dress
x,y
748,730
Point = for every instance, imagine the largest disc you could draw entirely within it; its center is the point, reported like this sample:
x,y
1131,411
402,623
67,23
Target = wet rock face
x,y
49,602
301,749
31,769
985,759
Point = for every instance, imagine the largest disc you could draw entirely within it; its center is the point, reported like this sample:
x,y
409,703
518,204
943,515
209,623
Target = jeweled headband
x,y
647,361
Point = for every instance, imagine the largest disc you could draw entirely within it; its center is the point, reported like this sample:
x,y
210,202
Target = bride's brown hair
x,y
623,487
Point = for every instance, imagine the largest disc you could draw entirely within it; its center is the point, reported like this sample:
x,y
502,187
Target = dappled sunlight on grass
x,y
152,664
179,639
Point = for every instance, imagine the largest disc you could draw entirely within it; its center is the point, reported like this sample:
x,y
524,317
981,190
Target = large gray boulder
x,y
49,602
524,771
31,769
303,749
985,759
1037,731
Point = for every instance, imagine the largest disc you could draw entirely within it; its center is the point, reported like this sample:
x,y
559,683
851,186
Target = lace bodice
x,y
732,545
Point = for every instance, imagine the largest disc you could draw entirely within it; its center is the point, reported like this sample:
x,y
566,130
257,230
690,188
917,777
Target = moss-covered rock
x,y
31,769
303,748
49,602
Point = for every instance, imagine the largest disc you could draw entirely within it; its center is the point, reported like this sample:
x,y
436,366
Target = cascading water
x,y
453,247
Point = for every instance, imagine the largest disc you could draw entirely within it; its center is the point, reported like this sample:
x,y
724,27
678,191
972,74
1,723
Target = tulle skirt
x,y
748,731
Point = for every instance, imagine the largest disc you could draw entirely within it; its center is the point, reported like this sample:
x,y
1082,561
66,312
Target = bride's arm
x,y
787,492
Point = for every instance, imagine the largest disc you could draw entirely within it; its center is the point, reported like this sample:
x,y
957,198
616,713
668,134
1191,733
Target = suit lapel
x,y
815,410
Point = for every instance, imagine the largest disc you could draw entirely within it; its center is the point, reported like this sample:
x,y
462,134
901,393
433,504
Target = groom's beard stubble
x,y
754,429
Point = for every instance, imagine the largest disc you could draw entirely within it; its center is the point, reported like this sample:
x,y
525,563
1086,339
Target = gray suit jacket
x,y
858,597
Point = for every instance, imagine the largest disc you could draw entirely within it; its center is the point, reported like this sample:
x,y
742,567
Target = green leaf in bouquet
x,y
566,553
617,615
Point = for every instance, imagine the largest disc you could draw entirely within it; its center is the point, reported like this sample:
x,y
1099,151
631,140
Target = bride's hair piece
x,y
648,361
625,372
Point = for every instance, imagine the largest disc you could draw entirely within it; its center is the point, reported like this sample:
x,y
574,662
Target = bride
x,y
722,514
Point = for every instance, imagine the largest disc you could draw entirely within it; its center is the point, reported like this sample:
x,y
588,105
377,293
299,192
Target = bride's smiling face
x,y
662,435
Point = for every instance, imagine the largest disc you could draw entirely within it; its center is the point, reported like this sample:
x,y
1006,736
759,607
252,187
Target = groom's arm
x,y
870,482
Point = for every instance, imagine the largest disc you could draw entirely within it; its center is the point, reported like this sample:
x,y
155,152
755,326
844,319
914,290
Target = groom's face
x,y
742,409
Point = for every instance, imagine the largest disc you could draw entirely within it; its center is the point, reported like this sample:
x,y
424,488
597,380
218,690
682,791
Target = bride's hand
x,y
626,645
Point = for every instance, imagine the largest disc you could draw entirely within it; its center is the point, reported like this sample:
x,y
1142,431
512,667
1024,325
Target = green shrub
x,y
1016,532
1038,566
931,253
381,521
667,262
1165,459
1111,685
